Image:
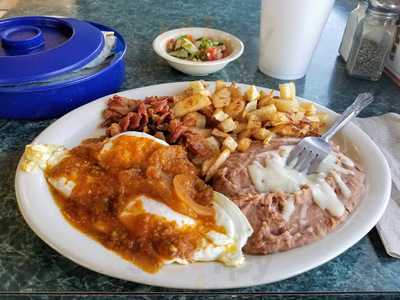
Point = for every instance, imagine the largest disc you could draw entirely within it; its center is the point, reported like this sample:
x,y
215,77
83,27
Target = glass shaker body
x,y
372,42
354,19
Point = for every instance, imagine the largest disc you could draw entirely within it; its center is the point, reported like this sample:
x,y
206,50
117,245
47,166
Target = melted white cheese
x,y
343,170
345,160
288,209
325,197
276,176
327,164
343,187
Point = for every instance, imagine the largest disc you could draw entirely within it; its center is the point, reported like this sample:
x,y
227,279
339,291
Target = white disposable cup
x,y
289,33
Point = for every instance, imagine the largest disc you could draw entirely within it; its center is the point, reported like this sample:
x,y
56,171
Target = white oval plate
x,y
45,219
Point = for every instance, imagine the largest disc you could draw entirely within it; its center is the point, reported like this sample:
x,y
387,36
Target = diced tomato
x,y
212,53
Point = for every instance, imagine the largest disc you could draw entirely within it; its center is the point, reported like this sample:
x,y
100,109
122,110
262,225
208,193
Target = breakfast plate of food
x,y
186,185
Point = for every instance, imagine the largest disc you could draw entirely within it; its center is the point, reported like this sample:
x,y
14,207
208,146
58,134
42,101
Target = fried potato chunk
x,y
237,103
190,104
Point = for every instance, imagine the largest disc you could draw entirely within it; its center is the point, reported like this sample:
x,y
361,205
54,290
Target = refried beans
x,y
283,220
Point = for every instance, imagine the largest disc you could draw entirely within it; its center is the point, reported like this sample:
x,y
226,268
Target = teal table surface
x,y
28,267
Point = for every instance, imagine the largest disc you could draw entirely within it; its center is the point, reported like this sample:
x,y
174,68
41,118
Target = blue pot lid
x,y
35,48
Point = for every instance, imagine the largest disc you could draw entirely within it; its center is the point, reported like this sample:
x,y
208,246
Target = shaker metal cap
x,y
391,6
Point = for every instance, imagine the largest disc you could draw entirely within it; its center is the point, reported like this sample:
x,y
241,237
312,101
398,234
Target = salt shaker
x,y
373,40
354,18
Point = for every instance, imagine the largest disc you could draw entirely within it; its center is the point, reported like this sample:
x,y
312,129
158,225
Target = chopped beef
x,y
198,145
152,115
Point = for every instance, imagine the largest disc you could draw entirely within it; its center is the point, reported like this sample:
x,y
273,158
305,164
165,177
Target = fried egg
x,y
215,246
41,156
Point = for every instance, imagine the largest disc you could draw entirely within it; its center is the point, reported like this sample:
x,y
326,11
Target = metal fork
x,y
307,155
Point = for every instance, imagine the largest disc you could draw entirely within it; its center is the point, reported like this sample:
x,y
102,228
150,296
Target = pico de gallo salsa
x,y
201,49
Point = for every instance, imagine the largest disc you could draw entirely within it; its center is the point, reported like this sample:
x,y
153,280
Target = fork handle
x,y
362,101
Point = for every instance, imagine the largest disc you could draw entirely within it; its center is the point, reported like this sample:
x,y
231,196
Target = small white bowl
x,y
195,68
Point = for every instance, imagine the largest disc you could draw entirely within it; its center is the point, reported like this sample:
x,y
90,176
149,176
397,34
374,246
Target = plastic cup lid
x,y
35,48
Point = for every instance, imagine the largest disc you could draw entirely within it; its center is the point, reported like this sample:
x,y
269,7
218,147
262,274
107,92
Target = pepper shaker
x,y
373,40
353,20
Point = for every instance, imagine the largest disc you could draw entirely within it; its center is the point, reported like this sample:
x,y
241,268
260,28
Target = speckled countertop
x,y
28,266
